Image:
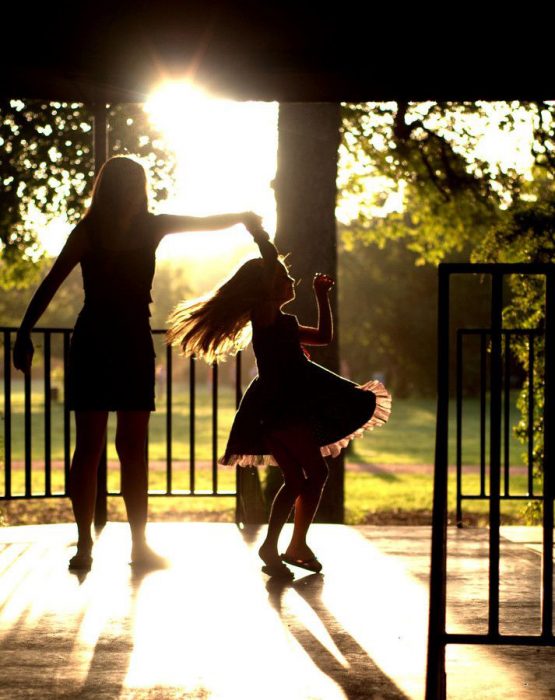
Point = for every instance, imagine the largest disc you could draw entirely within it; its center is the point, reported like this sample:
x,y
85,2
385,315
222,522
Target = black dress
x,y
111,360
290,388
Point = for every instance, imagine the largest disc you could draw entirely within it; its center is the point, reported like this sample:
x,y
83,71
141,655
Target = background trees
x,y
47,166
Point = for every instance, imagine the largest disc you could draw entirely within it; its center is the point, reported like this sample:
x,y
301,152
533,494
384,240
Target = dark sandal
x,y
309,564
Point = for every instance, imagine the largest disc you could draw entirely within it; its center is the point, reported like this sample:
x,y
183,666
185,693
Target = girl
x,y
111,364
294,412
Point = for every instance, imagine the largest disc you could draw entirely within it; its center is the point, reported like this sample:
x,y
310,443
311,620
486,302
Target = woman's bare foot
x,y
82,560
142,556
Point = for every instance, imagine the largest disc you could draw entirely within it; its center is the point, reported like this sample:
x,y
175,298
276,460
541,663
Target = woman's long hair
x,y
120,183
217,325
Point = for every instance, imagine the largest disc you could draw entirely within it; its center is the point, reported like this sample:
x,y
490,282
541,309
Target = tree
x,y
306,197
438,192
47,166
454,199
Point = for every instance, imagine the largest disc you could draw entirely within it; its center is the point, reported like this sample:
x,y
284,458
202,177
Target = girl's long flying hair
x,y
218,324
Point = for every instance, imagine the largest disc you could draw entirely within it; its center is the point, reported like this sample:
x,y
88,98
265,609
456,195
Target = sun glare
x,y
226,155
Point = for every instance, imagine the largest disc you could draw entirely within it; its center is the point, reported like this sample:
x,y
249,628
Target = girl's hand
x,y
322,283
252,222
23,351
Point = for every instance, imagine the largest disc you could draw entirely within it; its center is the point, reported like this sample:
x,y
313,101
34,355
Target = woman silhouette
x,y
111,364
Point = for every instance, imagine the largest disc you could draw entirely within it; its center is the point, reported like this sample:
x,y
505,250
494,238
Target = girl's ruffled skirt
x,y
379,417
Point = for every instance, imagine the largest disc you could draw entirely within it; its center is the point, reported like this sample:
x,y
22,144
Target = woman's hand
x,y
322,283
23,351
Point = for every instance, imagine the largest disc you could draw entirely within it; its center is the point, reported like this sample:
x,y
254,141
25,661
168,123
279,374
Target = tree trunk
x,y
306,195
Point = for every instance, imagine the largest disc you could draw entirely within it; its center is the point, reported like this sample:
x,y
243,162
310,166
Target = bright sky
x,y
226,155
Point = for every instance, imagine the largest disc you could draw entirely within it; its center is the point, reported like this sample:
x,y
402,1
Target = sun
x,y
226,155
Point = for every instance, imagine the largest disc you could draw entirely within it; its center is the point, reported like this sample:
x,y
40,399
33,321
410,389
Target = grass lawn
x,y
387,489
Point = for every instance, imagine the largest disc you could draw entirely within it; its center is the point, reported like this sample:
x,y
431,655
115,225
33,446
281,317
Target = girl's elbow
x,y
325,338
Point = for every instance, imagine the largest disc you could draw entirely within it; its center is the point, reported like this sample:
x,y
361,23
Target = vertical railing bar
x,y
28,433
147,450
549,459
169,419
67,423
483,388
101,149
7,415
530,430
459,378
238,397
47,416
435,673
495,452
238,380
192,408
215,428
506,416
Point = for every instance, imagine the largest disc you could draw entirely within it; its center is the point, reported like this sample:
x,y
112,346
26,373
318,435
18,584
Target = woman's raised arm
x,y
169,223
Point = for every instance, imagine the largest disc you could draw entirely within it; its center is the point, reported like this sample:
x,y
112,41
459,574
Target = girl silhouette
x,y
111,365
295,412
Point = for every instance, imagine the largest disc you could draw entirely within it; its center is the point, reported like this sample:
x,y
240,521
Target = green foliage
x,y
527,234
388,317
441,194
47,168
437,193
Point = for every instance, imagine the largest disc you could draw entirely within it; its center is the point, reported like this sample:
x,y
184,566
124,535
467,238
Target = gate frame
x,y
438,637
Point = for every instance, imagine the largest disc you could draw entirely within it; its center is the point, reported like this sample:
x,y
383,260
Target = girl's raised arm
x,y
168,223
323,333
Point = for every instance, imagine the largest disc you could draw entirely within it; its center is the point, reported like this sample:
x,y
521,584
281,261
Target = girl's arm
x,y
68,258
168,223
323,334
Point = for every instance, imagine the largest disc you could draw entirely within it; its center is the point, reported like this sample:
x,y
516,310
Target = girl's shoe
x,y
309,564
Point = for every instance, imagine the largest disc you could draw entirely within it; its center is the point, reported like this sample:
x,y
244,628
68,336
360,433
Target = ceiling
x,y
283,51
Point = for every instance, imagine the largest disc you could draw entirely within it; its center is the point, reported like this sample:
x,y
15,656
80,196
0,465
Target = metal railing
x,y
484,336
40,417
438,636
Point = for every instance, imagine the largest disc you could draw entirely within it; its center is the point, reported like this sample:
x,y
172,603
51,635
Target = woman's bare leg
x,y
131,434
90,439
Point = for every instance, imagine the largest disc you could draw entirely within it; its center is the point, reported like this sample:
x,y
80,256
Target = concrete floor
x,y
213,626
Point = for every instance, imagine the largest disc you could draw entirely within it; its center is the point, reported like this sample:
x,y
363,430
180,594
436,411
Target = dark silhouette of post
x,y
306,193
100,147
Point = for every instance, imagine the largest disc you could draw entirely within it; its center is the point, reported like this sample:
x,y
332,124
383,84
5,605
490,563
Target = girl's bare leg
x,y
284,499
90,438
302,444
305,472
131,434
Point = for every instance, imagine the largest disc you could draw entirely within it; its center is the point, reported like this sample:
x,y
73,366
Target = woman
x,y
111,356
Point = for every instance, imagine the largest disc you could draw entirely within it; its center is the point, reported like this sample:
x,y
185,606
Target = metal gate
x,y
38,432
498,340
